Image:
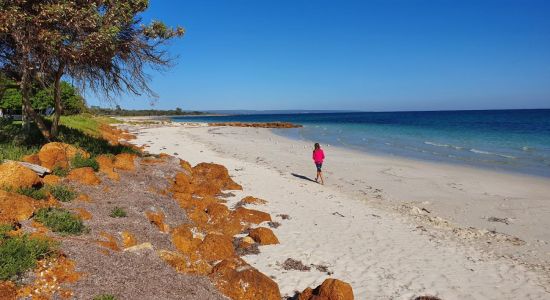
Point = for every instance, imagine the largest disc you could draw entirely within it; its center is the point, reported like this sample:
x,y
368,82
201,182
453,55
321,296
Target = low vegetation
x,y
63,193
20,253
105,297
60,220
81,162
58,171
118,212
38,194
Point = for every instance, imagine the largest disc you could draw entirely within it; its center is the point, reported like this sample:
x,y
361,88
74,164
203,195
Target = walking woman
x,y
318,157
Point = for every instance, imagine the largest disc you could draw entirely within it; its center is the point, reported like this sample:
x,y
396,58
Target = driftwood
x,y
41,171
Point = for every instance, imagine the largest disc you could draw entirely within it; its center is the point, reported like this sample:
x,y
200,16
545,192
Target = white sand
x,y
356,224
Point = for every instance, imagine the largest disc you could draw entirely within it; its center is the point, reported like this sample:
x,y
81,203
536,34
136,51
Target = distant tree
x,y
179,111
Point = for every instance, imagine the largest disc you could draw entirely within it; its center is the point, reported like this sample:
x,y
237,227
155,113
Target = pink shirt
x,y
318,156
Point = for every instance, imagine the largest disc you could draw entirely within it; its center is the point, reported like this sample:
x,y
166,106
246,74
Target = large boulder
x,y
263,236
84,175
15,207
210,179
107,167
125,161
330,289
57,154
216,247
32,159
51,179
14,175
238,280
182,183
183,239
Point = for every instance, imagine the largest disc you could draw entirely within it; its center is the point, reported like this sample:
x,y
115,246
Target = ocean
x,y
507,140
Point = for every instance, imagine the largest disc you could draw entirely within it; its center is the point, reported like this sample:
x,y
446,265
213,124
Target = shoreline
x,y
252,154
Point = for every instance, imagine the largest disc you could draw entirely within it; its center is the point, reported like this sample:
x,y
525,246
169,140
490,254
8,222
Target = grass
x,y
118,212
60,220
80,162
38,194
105,297
20,253
58,171
62,193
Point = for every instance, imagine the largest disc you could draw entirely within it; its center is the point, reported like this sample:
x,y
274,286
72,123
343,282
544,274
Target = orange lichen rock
x,y
83,214
84,175
157,219
183,240
56,154
84,198
216,247
184,264
151,161
8,290
110,242
14,175
128,239
32,158
238,280
182,183
50,276
251,216
186,166
107,167
263,236
330,289
15,207
252,200
125,161
51,179
210,179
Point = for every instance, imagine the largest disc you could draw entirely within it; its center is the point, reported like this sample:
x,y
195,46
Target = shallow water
x,y
511,140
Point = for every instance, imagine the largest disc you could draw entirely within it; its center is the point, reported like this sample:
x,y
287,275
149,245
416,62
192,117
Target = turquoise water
x,y
510,140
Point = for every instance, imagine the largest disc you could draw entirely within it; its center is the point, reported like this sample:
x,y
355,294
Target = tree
x,y
179,111
100,44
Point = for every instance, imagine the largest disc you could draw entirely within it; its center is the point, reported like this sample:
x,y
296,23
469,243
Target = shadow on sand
x,y
302,177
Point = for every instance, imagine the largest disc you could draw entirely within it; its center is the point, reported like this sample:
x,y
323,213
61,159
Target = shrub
x,y
58,171
20,253
62,193
79,161
117,212
104,297
60,220
38,194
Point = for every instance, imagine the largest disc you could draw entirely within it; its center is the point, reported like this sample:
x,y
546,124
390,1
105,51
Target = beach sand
x,y
391,227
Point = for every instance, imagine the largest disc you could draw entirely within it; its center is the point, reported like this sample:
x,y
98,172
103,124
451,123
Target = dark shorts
x,y
319,166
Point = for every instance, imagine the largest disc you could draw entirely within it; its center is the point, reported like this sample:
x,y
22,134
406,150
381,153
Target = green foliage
x,y
38,194
5,228
20,253
60,220
143,112
62,193
79,161
58,171
105,297
118,212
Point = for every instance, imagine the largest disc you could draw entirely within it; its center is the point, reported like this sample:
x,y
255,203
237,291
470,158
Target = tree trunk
x,y
57,101
27,107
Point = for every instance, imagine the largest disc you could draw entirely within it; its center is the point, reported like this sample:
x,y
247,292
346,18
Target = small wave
x,y
444,145
491,153
526,148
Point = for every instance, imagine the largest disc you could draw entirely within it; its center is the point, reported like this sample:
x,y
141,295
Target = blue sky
x,y
385,55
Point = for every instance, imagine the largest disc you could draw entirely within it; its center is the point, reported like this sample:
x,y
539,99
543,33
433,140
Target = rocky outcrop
x,y
210,179
59,155
330,289
32,159
15,207
51,179
251,200
216,247
263,236
238,280
125,161
251,216
84,175
258,125
14,175
107,167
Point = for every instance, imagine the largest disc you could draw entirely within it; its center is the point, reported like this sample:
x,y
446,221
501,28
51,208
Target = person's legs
x,y
321,176
319,173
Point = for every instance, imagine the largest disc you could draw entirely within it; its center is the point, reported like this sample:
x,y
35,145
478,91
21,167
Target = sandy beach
x,y
391,227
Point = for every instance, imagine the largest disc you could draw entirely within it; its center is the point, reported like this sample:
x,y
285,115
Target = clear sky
x,y
354,55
